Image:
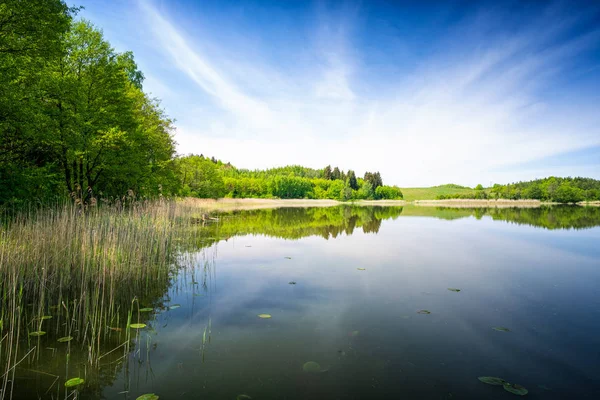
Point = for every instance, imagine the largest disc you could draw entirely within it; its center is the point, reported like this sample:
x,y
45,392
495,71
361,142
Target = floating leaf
x,y
501,329
292,283
264,316
515,389
242,397
174,306
423,312
289,258
45,317
453,289
361,269
492,380
74,382
353,334
137,326
115,329
147,396
37,333
65,339
311,367
147,309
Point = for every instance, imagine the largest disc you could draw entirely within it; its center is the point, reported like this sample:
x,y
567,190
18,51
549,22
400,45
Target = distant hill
x,y
432,193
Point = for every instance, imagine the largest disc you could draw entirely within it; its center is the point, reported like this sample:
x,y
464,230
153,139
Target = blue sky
x,y
439,92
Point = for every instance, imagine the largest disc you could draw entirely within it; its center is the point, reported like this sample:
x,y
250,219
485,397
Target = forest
x,y
207,177
551,189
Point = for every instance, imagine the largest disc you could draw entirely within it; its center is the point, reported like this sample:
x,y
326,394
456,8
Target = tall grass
x,y
83,267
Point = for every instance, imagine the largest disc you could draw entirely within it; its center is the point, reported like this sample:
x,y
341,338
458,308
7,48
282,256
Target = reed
x,y
70,270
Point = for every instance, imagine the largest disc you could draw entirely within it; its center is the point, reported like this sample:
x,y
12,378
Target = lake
x,y
348,303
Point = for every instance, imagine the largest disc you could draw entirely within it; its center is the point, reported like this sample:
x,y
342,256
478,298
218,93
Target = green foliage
x,y
200,177
352,182
388,192
289,182
561,190
73,116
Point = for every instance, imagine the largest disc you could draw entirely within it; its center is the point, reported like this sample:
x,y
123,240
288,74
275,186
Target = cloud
x,y
463,115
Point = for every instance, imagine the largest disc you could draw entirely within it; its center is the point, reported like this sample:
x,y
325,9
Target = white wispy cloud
x,y
458,117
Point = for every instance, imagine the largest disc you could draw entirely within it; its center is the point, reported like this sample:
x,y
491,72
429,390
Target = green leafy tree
x,y
352,182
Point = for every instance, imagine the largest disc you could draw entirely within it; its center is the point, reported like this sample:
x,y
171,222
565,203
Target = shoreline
x,y
228,204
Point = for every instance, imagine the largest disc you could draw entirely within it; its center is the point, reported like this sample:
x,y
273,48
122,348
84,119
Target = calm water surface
x,y
361,277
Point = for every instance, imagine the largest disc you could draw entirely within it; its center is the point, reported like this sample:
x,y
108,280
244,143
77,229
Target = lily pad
x,y
264,316
353,334
65,339
453,289
147,396
292,283
174,306
492,380
311,367
423,312
45,317
361,269
74,382
137,326
501,329
147,309
515,388
289,258
242,397
37,333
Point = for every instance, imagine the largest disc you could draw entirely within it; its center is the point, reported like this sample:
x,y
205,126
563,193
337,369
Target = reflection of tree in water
x,y
295,223
549,217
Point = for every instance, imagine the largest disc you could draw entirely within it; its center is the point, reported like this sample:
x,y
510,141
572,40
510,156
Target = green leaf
x,y
37,333
361,269
45,317
74,382
147,309
492,380
174,306
264,316
515,389
65,339
501,329
147,396
311,367
453,289
423,312
137,326
354,333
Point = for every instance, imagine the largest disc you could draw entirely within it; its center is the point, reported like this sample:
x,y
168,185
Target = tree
x,y
374,179
200,177
352,182
31,34
327,172
479,187
336,174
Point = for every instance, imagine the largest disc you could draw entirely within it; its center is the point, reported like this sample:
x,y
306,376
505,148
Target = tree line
x,y
552,189
210,178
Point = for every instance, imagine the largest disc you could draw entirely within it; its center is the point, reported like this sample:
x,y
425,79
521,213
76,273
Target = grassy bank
x,y
431,193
